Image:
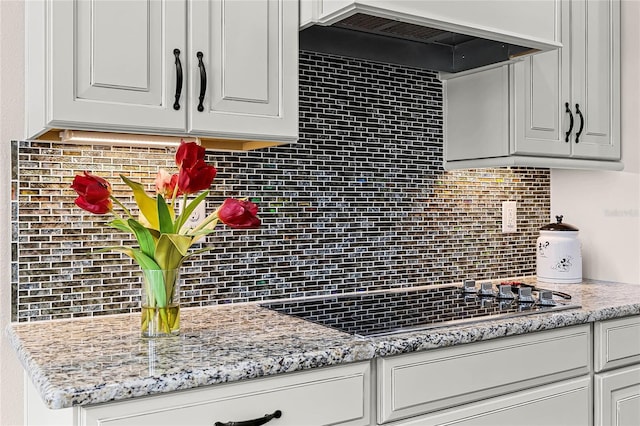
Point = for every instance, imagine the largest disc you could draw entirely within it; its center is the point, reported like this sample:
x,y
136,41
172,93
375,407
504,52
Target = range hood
x,y
449,36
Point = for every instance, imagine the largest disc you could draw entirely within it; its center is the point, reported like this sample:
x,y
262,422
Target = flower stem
x,y
213,216
126,210
175,194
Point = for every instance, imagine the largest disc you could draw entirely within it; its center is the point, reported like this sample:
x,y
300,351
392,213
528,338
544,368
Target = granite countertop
x,y
101,359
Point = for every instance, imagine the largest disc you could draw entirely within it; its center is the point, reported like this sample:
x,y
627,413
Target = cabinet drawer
x,y
427,381
334,395
566,403
617,343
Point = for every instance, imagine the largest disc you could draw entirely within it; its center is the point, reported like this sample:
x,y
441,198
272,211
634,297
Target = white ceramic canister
x,y
559,259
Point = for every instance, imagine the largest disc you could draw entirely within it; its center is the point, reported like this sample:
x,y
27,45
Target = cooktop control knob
x,y
486,289
524,295
545,298
486,302
504,292
525,307
506,303
469,286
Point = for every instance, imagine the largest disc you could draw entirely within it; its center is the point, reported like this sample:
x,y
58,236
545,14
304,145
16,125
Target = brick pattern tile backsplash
x,y
360,202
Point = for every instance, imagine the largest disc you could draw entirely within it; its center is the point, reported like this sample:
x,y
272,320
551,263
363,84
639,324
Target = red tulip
x,y
196,178
188,154
94,193
100,207
239,213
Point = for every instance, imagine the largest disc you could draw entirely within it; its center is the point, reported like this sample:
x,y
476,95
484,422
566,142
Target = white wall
x,y
11,127
605,206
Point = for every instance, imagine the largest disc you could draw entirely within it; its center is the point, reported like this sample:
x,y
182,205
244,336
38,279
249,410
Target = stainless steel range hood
x,y
449,36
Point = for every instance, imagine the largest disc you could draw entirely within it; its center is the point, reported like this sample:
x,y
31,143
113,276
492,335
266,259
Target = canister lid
x,y
558,226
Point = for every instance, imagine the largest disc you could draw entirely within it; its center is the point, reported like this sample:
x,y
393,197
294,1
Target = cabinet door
x,y
112,64
583,76
564,403
541,86
477,115
595,59
617,397
249,54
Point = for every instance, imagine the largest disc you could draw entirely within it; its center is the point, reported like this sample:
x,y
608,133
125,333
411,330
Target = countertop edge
x,y
186,380
51,397
489,330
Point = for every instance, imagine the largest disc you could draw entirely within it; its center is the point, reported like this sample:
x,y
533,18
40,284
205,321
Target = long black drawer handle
x,y
568,111
581,123
256,422
203,81
176,104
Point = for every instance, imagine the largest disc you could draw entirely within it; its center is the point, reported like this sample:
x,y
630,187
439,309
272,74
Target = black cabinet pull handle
x,y
256,422
203,81
176,103
581,123
568,111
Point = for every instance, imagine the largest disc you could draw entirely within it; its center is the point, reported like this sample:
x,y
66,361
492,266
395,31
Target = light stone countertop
x,y
101,359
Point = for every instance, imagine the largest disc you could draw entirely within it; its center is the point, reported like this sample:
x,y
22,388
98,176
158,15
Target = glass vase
x,y
160,303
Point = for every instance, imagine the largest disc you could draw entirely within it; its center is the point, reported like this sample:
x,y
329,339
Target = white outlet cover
x,y
509,217
198,214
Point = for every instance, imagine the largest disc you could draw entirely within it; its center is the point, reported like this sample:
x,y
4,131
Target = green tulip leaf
x,y
120,225
155,282
154,233
199,233
142,259
146,204
211,225
171,250
156,288
164,216
145,261
207,229
144,237
121,249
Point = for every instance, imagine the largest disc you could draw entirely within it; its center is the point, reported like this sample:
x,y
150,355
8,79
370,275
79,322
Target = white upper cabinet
x,y
567,102
106,64
562,107
137,66
595,87
542,96
246,66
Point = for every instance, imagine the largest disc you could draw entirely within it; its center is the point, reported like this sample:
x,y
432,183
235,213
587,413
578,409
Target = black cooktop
x,y
395,311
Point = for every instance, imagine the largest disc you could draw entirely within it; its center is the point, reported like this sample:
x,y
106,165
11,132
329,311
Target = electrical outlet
x,y
509,217
197,214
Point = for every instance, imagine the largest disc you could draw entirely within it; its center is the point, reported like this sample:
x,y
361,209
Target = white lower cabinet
x,y
617,396
430,381
337,395
565,403
617,367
